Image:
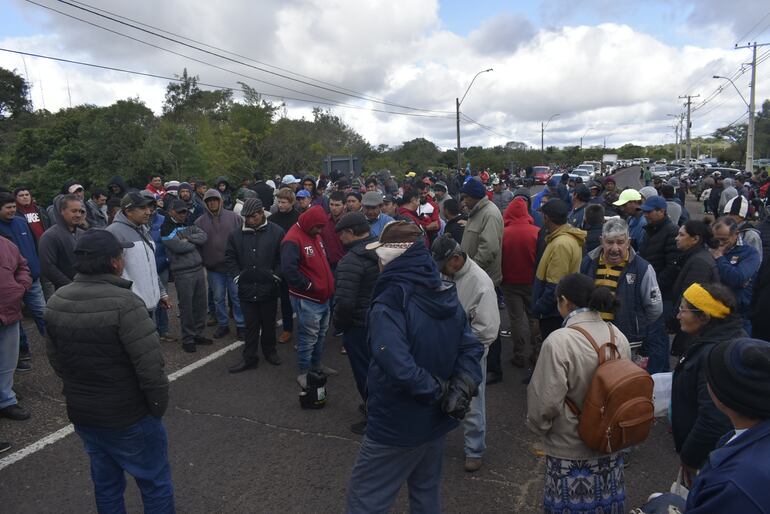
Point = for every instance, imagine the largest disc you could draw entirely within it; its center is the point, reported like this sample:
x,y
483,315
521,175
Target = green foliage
x,y
14,95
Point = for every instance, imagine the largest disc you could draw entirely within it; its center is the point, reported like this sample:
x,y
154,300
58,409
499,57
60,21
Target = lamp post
x,y
750,131
458,102
584,135
544,126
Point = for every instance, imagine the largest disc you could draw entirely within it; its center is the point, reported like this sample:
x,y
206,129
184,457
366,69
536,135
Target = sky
x,y
611,71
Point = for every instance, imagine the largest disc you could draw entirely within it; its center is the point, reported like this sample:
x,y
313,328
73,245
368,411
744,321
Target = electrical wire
x,y
755,26
489,129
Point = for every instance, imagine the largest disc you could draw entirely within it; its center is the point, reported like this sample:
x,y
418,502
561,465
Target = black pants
x,y
493,357
548,325
354,340
260,325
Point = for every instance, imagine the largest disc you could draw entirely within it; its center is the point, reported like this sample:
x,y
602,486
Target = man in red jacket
x,y
311,286
519,248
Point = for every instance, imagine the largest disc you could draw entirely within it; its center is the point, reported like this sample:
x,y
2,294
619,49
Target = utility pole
x,y
688,155
752,106
457,103
542,137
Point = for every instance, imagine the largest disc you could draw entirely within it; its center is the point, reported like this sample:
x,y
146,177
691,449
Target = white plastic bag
x,y
662,393
678,488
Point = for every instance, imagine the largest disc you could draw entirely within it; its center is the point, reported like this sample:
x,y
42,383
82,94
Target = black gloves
x,y
457,395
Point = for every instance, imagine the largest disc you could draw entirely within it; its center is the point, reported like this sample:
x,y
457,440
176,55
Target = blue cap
x,y
653,203
304,193
474,188
553,182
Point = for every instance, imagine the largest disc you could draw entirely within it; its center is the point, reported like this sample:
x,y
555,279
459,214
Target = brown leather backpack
x,y
618,410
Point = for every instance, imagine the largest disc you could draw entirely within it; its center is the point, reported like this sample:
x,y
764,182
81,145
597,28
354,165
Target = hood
x,y
579,235
359,248
309,178
728,182
413,275
222,179
120,217
313,217
118,181
517,213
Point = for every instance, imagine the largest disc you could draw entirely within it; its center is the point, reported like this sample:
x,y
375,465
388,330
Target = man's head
x,y
737,208
372,202
285,199
581,195
308,184
654,209
472,193
99,252
738,376
451,208
23,196
7,206
353,201
74,188
337,204
667,191
178,211
609,184
447,254
615,241
352,227
497,185
440,190
423,189
371,184
594,216
156,181
629,201
72,210
137,207
185,192
389,206
200,187
304,199
253,212
552,185
396,238
99,196
554,213
290,181
213,201
410,200
726,232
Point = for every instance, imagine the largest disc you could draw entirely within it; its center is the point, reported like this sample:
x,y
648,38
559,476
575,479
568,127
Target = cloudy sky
x,y
610,69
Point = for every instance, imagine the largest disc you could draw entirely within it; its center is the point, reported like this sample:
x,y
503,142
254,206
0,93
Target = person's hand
x,y
688,475
165,303
716,253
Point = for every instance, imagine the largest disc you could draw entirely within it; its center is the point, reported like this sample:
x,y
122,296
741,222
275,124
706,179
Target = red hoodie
x,y
519,244
303,259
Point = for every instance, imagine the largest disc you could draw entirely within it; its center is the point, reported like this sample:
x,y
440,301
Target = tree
x,y
14,95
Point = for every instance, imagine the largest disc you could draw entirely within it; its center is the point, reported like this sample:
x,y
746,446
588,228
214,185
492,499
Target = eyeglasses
x,y
685,309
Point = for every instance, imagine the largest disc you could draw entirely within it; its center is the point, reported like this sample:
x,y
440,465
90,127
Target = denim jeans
x,y
475,422
141,450
313,321
381,470
161,318
220,285
35,302
9,357
657,345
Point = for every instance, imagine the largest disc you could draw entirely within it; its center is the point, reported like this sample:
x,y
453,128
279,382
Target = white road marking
x,y
69,429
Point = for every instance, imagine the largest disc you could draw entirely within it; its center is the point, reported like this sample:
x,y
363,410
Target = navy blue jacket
x,y
736,475
417,331
737,270
19,233
161,259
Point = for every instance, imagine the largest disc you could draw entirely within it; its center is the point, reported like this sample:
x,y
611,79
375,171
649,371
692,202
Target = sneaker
x,y
15,412
243,366
165,338
4,447
23,366
24,354
189,347
211,321
302,380
273,359
329,372
202,340
240,334
285,337
358,428
473,464
221,331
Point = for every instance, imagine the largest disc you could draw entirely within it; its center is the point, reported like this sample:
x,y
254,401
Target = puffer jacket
x,y
519,244
696,423
253,256
105,348
182,242
357,273
738,269
565,368
218,227
638,294
417,331
658,247
304,265
483,238
15,280
562,256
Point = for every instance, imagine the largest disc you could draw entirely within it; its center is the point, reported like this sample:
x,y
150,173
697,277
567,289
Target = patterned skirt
x,y
594,486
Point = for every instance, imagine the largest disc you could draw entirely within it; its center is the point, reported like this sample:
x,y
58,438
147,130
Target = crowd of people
x,y
413,276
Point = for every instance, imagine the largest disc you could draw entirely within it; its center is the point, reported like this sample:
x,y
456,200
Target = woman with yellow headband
x,y
707,313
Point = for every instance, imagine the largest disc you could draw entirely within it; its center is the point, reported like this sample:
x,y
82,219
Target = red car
x,y
541,174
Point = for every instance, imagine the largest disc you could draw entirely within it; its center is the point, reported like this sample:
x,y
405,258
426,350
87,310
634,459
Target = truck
x,y
609,162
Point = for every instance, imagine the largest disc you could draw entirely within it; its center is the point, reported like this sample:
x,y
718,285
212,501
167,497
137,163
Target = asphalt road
x,y
241,443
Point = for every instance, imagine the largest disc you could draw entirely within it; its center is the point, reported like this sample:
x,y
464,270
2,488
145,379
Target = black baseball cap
x,y
97,241
350,220
442,249
135,199
179,206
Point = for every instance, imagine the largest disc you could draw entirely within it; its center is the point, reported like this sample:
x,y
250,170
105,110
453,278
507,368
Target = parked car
x,y
541,174
584,174
660,171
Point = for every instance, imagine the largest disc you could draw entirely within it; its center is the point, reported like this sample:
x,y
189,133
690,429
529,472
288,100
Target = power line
x,y
214,86
489,129
755,26
236,61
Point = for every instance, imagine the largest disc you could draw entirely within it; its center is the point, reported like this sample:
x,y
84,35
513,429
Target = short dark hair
x,y
451,206
6,198
408,196
697,228
337,196
594,214
98,264
354,193
19,189
728,222
65,200
96,193
582,291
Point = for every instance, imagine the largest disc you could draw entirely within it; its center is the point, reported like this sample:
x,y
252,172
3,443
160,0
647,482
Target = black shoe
x,y
358,428
4,447
189,347
211,321
15,412
24,354
274,359
221,331
243,366
18,396
240,334
202,340
23,366
494,377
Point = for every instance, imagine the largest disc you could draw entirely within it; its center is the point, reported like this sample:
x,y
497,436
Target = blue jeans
x,y
9,357
313,321
35,302
657,345
220,285
381,470
161,316
141,450
475,422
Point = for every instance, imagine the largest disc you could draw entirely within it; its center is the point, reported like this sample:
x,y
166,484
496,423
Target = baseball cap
x,y
628,195
654,203
74,187
495,181
289,179
179,206
303,194
372,199
440,185
98,241
442,249
350,220
135,199
397,232
388,199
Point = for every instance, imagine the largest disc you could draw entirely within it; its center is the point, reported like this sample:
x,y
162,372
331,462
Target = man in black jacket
x,y
658,247
263,190
253,256
103,344
357,273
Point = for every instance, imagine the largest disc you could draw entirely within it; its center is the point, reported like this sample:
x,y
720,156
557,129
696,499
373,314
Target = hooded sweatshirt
x,y
20,234
227,194
562,256
519,244
117,180
303,259
218,228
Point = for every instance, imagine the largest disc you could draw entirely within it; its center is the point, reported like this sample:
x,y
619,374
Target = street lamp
x,y
544,126
458,102
736,87
584,135
750,131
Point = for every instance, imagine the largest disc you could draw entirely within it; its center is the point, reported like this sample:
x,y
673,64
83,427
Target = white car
x,y
584,174
661,171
